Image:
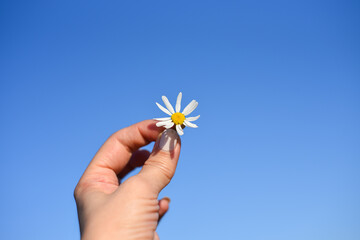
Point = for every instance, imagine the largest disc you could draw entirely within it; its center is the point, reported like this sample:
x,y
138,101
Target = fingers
x,y
164,207
117,150
156,236
160,167
137,159
115,154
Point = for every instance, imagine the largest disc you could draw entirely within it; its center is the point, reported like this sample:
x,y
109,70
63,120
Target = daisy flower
x,y
177,118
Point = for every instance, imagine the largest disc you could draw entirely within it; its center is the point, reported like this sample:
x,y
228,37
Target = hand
x,y
109,209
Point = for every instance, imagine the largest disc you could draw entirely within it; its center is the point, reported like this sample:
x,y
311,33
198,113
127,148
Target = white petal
x,y
189,124
164,123
190,119
167,104
190,107
179,130
163,109
178,102
163,119
169,125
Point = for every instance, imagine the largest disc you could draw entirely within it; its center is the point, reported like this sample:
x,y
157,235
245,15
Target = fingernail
x,y
167,198
168,140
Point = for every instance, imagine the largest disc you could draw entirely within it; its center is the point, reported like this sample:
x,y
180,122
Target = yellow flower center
x,y
178,118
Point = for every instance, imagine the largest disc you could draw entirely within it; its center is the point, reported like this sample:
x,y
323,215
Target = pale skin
x,y
128,210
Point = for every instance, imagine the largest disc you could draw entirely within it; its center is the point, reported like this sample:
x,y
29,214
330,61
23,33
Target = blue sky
x,y
277,152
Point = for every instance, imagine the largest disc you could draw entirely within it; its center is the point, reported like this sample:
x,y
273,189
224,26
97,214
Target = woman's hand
x,y
109,209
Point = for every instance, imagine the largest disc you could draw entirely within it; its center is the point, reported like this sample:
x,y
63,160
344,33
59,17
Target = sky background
x,y
277,152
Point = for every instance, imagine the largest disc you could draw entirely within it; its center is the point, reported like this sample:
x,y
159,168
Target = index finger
x,y
115,153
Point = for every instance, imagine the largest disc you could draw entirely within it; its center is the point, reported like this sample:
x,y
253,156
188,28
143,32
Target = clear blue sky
x,y
277,152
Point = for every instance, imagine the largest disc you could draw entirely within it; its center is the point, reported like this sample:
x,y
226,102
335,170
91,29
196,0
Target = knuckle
x,y
162,165
79,189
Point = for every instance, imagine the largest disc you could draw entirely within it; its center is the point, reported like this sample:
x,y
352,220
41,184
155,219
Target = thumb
x,y
159,169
